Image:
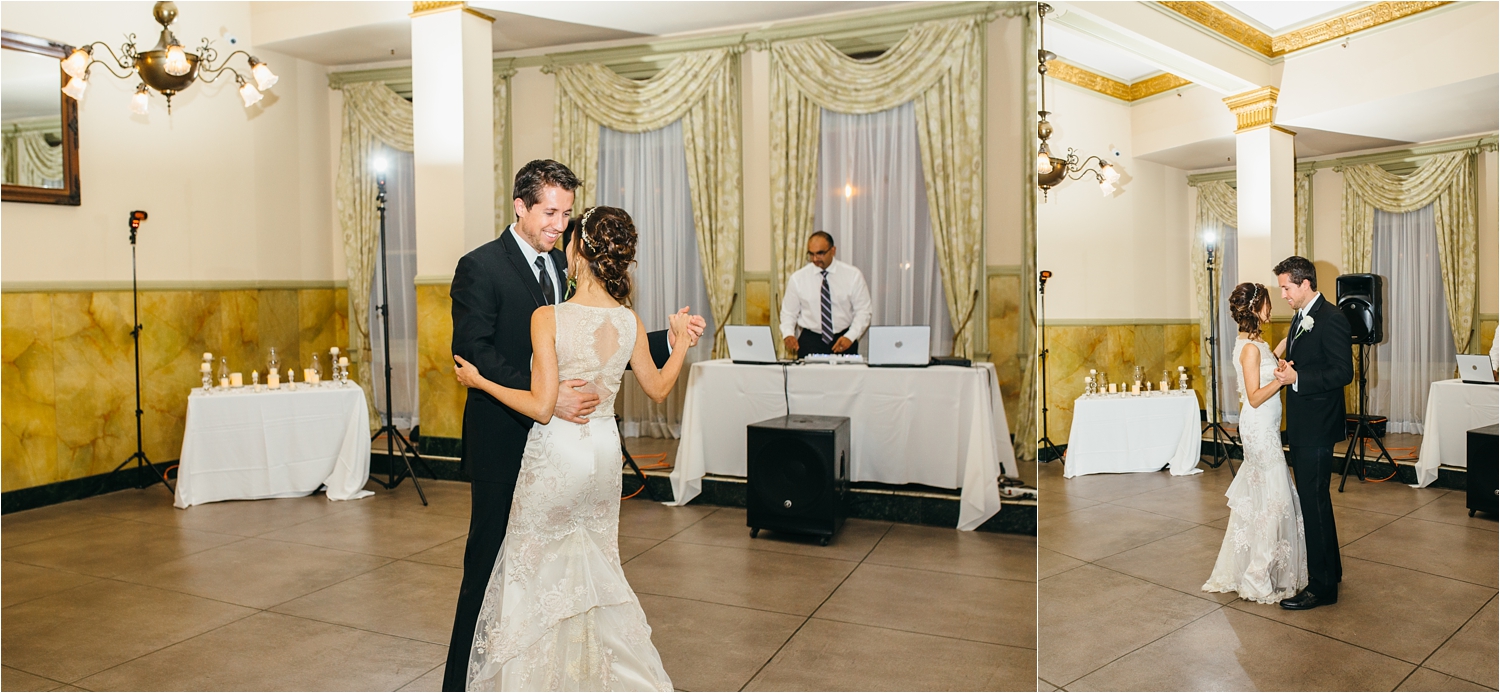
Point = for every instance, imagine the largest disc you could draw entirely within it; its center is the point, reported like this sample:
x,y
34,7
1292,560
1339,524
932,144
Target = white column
x,y
1265,180
452,100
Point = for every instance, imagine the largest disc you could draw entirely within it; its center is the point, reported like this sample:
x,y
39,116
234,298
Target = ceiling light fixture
x,y
1050,170
168,67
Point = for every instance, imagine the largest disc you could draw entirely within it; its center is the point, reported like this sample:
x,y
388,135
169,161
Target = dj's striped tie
x,y
827,311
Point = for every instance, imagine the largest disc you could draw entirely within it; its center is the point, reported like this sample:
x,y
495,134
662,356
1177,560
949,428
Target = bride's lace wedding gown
x,y
558,613
1264,555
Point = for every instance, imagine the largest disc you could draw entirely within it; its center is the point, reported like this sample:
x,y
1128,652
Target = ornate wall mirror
x,y
38,122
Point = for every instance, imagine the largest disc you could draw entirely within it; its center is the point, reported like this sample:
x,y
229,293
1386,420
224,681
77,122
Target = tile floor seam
x,y
734,606
689,525
919,632
389,562
808,618
1153,541
1217,608
60,684
418,676
675,540
336,624
1424,572
1325,635
74,682
944,572
1451,636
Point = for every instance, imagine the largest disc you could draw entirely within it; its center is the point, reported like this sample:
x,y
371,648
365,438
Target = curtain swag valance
x,y
939,66
1447,182
701,89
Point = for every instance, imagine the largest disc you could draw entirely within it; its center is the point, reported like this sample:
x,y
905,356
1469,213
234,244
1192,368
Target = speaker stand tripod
x,y
1363,431
1221,436
630,460
394,440
139,456
1044,444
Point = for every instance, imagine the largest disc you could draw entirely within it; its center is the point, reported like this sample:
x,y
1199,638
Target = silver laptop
x,y
1476,369
750,343
905,345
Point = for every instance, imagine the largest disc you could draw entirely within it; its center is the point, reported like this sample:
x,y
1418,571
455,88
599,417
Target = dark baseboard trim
x,y
870,504
78,489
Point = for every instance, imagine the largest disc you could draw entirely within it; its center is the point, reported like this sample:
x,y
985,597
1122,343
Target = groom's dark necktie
x,y
549,293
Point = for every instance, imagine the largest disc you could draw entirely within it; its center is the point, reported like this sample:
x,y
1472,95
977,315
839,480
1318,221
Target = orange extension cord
x,y
661,463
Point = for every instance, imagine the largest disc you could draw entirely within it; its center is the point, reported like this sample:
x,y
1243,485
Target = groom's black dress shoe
x,y
1307,600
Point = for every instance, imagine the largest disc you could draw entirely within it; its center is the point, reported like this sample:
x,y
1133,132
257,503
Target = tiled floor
x,y
1122,557
125,592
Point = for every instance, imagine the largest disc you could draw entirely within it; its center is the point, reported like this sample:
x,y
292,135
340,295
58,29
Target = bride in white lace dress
x,y
558,613
1264,555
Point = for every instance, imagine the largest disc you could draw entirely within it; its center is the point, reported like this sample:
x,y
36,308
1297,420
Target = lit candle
x,y
224,382
1112,387
203,367
309,375
1162,386
236,379
273,380
208,356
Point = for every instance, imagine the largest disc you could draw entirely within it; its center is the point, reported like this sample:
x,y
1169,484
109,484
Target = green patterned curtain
x,y
702,89
373,116
939,66
1447,182
1218,205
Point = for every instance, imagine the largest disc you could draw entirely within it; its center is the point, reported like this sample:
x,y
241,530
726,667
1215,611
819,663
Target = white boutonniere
x,y
1305,326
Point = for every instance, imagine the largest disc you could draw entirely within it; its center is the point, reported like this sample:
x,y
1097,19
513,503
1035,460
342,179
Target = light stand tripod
x,y
1362,432
392,434
1221,436
139,456
1045,444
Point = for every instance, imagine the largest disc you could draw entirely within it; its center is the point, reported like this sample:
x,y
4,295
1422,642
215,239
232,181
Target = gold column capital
x,y
1253,109
434,6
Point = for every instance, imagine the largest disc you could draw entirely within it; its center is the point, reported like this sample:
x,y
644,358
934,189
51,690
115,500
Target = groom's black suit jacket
x,y
494,293
1322,359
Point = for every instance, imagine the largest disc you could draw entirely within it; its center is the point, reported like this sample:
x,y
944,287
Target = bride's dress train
x,y
558,614
1264,555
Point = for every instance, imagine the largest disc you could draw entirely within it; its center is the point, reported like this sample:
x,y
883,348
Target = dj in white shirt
x,y
826,306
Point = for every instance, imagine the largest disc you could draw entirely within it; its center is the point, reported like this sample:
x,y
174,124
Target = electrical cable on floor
x,y
661,463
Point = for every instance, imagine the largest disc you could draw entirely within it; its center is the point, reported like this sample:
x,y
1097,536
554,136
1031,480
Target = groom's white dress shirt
x,y
531,256
802,304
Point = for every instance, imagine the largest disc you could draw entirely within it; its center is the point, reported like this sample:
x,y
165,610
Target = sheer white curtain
x,y
873,200
1228,277
1418,346
646,175
401,253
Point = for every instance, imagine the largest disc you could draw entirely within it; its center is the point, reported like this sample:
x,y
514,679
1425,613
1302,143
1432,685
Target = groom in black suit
x,y
1317,366
496,288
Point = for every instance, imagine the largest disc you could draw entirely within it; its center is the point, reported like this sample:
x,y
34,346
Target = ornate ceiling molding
x,y
1253,109
1232,28
1079,77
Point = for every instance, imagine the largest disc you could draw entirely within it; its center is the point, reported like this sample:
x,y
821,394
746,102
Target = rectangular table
x,y
941,426
242,444
1453,407
1120,433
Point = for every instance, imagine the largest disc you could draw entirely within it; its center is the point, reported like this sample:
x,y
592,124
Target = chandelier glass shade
x,y
1050,170
168,68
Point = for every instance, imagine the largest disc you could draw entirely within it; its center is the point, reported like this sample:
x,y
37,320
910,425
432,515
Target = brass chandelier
x,y
167,68
1050,170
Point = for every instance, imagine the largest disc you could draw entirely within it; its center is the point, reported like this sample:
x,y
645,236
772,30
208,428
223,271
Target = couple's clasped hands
x,y
576,399
1285,374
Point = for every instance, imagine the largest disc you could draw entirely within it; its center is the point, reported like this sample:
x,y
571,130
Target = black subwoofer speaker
x,y
1483,453
797,473
1359,299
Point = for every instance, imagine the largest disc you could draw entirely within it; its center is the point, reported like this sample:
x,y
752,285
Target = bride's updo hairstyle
x,y
1245,304
607,240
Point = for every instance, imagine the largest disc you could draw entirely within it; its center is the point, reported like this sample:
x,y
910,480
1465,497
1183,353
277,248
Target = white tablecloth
x,y
244,445
1453,407
1134,433
942,426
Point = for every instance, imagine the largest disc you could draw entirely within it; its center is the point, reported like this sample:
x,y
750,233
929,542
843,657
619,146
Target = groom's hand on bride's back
x,y
573,405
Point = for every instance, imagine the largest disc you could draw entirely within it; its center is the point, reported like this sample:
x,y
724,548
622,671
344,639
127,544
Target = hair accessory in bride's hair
x,y
583,233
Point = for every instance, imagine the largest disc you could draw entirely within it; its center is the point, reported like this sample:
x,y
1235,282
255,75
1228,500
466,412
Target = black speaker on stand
x,y
797,474
1359,299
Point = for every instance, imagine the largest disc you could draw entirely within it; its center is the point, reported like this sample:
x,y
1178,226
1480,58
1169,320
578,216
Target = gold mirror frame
x,y
69,193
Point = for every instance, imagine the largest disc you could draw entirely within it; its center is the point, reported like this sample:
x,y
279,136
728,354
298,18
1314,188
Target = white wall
x,y
1121,258
232,193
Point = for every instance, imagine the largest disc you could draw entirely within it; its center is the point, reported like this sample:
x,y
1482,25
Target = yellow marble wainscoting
x,y
68,372
441,397
1115,349
1487,323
